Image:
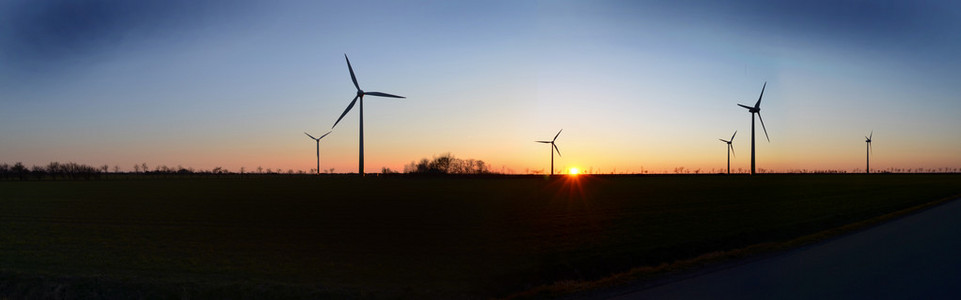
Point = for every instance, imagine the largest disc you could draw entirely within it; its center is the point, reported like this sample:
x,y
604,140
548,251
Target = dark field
x,y
399,236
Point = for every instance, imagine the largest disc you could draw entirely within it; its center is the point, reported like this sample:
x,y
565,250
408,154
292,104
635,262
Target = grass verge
x,y
639,278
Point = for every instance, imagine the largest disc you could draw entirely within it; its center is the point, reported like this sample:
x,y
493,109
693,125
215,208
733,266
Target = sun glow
x,y
574,171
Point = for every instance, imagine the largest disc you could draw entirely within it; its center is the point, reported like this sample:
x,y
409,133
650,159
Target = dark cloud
x,y
842,18
824,20
41,33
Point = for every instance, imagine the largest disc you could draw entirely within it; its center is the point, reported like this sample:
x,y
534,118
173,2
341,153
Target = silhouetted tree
x,y
447,164
19,170
38,172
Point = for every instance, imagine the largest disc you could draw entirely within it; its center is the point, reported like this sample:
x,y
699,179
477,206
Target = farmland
x,y
405,236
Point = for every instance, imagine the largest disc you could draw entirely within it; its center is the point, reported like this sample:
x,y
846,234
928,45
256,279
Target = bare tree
x,y
19,170
38,172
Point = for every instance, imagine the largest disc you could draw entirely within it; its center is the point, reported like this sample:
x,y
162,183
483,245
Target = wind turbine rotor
x,y
352,102
379,94
762,127
352,77
758,104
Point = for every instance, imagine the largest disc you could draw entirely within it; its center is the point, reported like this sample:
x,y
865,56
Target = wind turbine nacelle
x,y
360,93
752,109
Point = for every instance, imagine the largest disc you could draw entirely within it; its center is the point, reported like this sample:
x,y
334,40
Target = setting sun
x,y
574,171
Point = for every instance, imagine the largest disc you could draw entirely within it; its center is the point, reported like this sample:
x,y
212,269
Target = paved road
x,y
915,257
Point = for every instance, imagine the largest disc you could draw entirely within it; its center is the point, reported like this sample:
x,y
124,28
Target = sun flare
x,y
574,171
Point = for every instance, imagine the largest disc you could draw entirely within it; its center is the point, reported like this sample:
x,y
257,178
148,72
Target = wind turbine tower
x,y
756,109
360,95
868,151
730,149
553,148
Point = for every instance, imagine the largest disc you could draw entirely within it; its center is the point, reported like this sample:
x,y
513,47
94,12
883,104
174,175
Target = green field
x,y
403,236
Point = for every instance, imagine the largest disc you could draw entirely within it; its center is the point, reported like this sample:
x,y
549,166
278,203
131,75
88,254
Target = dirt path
x,y
915,257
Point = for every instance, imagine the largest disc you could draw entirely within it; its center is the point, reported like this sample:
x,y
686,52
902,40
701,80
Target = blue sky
x,y
649,84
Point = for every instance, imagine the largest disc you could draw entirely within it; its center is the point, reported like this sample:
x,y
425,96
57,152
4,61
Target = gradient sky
x,y
636,85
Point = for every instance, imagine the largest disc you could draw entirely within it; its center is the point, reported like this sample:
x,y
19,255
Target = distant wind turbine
x,y
756,109
318,147
360,95
868,151
730,149
553,148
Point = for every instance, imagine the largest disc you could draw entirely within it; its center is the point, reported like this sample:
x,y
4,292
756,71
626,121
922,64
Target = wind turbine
x,y
318,147
730,149
360,95
868,151
756,109
553,148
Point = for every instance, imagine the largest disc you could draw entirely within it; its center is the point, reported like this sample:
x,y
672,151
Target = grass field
x,y
401,236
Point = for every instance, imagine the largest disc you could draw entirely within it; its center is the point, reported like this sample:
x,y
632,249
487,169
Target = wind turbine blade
x,y
555,136
546,142
311,137
722,140
352,77
555,148
744,106
345,111
762,126
758,104
872,134
871,147
732,136
324,135
732,149
379,94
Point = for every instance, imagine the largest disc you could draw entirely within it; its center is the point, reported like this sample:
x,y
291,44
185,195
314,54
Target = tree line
x,y
447,164
53,170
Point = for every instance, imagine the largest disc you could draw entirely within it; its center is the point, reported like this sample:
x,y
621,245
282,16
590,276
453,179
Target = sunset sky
x,y
636,85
